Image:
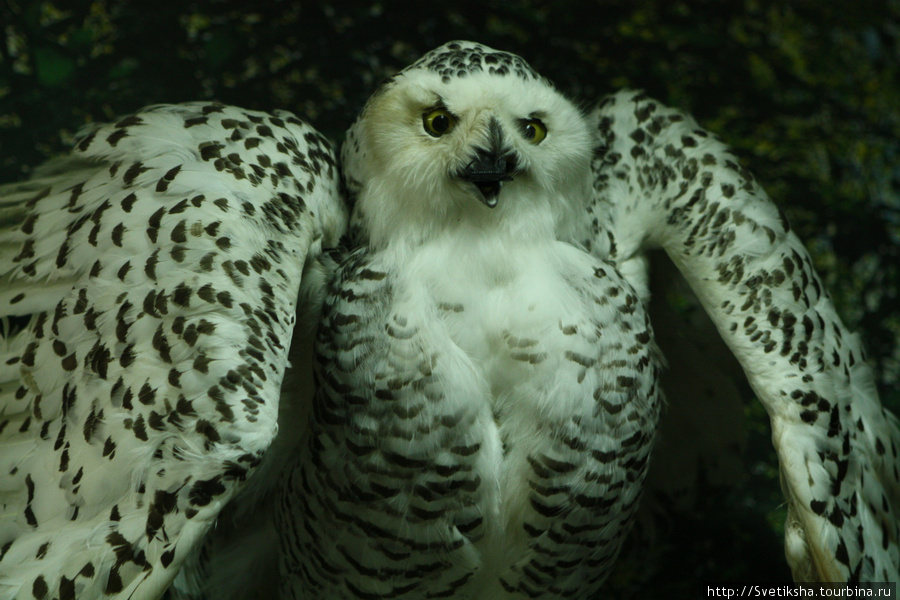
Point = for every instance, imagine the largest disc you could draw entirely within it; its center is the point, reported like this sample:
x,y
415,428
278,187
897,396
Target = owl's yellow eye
x,y
438,121
534,130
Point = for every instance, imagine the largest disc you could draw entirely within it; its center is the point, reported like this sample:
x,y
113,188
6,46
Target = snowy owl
x,y
473,393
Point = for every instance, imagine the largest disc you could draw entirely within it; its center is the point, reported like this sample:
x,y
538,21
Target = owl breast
x,y
481,431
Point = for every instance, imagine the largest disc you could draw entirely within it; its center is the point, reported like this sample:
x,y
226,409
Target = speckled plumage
x,y
150,280
487,393
486,377
660,180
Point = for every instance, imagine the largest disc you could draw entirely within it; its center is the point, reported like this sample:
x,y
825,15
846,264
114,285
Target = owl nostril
x,y
511,162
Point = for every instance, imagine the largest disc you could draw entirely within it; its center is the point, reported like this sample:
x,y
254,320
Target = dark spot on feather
x,y
195,121
115,137
147,395
210,150
168,556
133,172
203,491
128,202
163,184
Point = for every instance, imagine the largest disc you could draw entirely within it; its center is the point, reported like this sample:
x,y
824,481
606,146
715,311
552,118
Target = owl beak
x,y
487,171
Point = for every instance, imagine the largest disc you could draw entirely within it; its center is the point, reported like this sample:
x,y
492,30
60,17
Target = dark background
x,y
807,93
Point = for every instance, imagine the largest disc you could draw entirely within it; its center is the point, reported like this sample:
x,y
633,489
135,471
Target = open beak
x,y
488,170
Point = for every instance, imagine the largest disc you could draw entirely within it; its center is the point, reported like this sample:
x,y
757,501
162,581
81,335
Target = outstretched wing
x,y
662,181
148,284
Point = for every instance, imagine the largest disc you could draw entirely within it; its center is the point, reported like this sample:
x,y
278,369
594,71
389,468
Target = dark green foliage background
x,y
807,92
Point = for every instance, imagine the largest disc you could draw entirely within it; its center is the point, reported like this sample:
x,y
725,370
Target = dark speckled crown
x,y
460,58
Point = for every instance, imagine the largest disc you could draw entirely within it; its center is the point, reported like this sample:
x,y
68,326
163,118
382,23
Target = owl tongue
x,y
490,190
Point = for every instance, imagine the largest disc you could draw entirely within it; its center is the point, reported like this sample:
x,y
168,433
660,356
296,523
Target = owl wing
x,y
662,181
148,284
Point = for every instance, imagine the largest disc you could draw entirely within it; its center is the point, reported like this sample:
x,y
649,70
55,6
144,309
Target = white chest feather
x,y
480,396
497,297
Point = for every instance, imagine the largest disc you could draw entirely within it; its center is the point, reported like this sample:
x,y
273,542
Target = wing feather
x,y
148,285
662,181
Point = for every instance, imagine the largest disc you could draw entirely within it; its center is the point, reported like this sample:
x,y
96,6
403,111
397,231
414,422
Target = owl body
x,y
480,430
486,392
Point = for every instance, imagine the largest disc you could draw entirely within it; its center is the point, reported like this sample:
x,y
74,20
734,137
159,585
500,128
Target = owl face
x,y
466,135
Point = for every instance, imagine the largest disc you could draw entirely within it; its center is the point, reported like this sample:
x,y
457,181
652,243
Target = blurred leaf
x,y
53,68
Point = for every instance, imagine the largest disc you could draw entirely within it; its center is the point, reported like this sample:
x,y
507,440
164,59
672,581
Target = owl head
x,y
466,136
